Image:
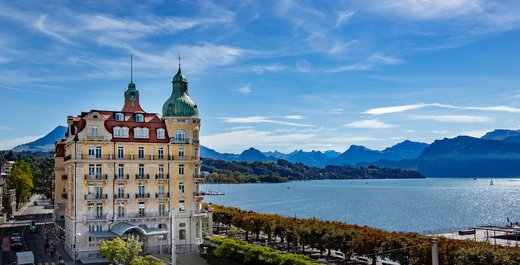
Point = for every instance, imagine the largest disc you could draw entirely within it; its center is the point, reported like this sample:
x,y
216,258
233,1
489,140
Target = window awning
x,y
120,228
102,234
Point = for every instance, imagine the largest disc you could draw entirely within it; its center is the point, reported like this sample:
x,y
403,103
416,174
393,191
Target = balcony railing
x,y
145,214
142,195
96,157
122,177
96,196
95,137
96,177
96,216
153,157
139,176
162,195
122,196
162,176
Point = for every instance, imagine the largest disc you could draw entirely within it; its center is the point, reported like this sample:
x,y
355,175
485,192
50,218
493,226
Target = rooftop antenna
x,y
131,68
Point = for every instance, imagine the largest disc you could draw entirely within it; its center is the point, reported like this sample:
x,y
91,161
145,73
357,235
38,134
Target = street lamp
x,y
160,245
75,199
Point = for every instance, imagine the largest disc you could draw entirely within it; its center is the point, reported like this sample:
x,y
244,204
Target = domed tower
x,y
181,117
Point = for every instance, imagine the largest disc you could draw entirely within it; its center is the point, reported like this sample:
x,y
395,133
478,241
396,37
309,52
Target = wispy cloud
x,y
260,119
425,9
294,117
452,118
403,108
245,89
371,63
369,124
40,25
343,17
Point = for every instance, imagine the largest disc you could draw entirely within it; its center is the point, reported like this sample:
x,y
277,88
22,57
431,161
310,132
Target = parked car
x,y
16,240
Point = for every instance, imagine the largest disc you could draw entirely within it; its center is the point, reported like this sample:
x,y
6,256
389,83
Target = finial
x,y
131,68
179,61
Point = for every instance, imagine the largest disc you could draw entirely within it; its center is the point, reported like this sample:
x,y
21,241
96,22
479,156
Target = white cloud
x,y
452,118
40,25
260,119
245,89
10,143
476,134
372,62
403,108
343,17
369,124
336,111
294,117
428,9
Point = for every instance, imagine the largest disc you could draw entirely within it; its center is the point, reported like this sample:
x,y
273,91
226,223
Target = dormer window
x,y
142,133
139,117
121,132
120,117
160,134
94,131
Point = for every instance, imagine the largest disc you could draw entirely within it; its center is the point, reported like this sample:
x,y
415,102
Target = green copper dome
x,y
180,104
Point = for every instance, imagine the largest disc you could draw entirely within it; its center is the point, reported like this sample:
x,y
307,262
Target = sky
x,y
274,75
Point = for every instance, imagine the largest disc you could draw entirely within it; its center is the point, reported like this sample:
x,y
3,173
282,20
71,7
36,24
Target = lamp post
x,y
160,245
75,199
172,225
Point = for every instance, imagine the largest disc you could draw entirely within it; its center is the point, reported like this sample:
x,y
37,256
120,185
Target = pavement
x,y
42,215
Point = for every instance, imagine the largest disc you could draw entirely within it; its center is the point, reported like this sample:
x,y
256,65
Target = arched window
x,y
182,234
141,132
180,137
120,117
139,117
160,134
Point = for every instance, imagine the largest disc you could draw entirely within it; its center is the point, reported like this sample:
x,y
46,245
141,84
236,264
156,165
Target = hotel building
x,y
127,172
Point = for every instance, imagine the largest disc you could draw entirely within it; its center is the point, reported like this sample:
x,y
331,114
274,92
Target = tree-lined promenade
x,y
299,235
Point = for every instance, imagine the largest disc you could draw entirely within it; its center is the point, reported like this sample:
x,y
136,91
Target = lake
x,y
397,205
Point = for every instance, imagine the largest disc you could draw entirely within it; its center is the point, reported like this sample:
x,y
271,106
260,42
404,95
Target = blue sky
x,y
276,75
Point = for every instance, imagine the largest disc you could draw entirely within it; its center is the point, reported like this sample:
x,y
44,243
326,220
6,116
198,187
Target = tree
x,y
122,252
21,180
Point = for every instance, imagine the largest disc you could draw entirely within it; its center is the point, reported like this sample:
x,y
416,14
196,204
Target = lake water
x,y
398,205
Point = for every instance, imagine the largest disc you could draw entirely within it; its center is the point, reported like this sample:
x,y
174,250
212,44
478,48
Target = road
x,y
42,214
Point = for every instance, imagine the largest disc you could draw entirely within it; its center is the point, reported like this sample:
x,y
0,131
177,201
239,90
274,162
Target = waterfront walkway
x,y
497,235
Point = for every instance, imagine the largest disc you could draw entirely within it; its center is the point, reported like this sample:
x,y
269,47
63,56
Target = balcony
x,y
121,177
142,195
121,196
96,177
162,195
96,157
96,196
162,176
198,196
138,176
196,141
180,141
95,137
96,216
199,179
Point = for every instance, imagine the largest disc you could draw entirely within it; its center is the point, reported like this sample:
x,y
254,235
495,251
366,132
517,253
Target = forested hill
x,y
282,171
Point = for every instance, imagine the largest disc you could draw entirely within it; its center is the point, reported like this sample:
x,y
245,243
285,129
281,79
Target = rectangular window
x,y
91,170
94,131
181,187
91,151
181,169
98,152
121,190
141,209
161,171
99,191
121,210
91,209
91,189
121,171
141,170
99,172
161,190
120,152
160,153
160,134
141,190
181,151
182,206
91,227
141,152
162,209
99,211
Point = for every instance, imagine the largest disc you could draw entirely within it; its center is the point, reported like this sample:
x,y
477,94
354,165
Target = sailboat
x,y
491,183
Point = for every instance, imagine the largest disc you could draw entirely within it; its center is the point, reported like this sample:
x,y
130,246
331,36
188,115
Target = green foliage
x,y
21,180
42,166
283,171
124,252
250,254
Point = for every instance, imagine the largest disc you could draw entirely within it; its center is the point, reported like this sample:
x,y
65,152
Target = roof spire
x,y
179,63
131,68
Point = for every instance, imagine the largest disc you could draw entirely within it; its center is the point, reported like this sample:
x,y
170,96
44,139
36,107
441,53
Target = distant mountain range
x,y
496,154
44,144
